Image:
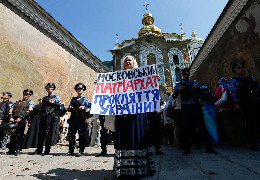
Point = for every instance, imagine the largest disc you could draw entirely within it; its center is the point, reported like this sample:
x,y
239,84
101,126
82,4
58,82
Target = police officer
x,y
5,106
78,107
246,94
50,104
191,111
19,113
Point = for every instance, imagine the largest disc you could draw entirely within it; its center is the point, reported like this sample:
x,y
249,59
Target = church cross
x,y
146,6
117,38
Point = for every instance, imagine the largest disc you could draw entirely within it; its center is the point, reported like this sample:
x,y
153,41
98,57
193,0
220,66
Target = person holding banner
x,y
132,140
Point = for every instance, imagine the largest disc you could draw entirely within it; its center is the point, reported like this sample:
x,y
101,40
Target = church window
x,y
175,59
151,59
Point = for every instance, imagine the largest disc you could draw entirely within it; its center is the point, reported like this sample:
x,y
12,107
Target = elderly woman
x,y
132,140
227,116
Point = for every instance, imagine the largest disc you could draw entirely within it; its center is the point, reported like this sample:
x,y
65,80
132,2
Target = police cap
x,y
80,86
28,91
50,85
186,71
237,65
8,93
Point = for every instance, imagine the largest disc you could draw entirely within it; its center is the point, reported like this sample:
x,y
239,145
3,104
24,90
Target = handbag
x,y
223,99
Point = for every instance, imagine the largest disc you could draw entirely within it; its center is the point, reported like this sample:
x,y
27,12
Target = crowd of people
x,y
184,121
229,114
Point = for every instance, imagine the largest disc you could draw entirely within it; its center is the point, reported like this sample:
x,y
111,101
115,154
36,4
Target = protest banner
x,y
127,92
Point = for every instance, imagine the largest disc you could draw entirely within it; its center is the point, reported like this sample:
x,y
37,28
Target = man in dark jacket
x,y
19,114
246,94
50,104
79,108
191,111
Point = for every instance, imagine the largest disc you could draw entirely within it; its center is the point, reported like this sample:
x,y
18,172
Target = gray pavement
x,y
231,163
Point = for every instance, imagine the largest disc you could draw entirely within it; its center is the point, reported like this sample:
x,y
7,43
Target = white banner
x,y
127,92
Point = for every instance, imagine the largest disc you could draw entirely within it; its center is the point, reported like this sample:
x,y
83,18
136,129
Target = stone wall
x,y
30,59
241,40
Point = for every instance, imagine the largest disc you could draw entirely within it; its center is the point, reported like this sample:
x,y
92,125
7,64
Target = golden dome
x,y
148,21
149,28
147,17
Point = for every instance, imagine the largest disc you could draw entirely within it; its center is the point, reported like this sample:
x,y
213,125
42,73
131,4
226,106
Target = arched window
x,y
151,59
175,59
168,76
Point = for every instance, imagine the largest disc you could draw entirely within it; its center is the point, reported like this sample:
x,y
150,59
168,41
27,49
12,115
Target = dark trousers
x,y
105,136
169,133
193,124
2,135
16,140
155,126
251,118
177,128
45,133
77,124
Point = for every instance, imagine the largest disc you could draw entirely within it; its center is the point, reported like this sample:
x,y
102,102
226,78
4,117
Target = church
x,y
169,51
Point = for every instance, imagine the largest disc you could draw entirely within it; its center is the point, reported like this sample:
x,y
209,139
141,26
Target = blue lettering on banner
x,y
128,103
147,94
139,96
126,108
132,97
118,108
156,94
147,106
138,108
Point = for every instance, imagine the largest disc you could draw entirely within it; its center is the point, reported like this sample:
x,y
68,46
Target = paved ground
x,y
231,163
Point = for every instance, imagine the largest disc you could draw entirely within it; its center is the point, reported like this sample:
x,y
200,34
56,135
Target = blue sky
x,y
95,23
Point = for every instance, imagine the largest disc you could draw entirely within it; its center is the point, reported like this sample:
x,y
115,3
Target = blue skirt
x,y
132,142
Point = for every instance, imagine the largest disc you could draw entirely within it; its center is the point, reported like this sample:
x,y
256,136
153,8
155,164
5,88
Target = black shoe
x,y
79,154
70,154
103,153
35,152
17,153
45,153
159,152
211,151
186,152
10,152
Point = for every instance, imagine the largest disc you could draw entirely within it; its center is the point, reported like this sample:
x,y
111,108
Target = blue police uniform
x,y
48,119
4,110
192,115
20,110
77,123
246,92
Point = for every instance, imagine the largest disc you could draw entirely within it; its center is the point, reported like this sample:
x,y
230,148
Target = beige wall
x,y
29,59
